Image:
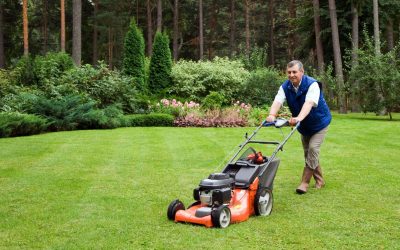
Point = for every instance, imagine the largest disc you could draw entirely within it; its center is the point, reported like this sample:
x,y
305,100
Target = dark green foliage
x,y
76,112
40,70
104,86
256,59
261,87
133,61
160,64
213,101
6,86
23,73
16,124
150,120
50,67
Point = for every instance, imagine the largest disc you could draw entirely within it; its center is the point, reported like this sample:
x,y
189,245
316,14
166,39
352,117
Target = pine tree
x,y
160,64
133,62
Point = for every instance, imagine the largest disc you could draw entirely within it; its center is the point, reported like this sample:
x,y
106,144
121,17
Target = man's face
x,y
295,74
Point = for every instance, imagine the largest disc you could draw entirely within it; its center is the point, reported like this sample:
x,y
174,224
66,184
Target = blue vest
x,y
318,118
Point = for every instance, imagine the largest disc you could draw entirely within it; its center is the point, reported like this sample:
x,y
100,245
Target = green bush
x,y
6,86
160,64
133,61
195,80
214,100
105,86
261,87
21,101
16,124
76,112
40,71
50,67
23,73
256,59
149,120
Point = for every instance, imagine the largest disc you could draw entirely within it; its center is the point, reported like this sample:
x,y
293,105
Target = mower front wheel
x,y
263,202
174,207
221,216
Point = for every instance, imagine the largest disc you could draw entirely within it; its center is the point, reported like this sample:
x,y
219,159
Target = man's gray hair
x,y
295,62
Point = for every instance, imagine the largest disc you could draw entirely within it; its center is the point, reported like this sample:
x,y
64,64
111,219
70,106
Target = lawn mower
x,y
242,189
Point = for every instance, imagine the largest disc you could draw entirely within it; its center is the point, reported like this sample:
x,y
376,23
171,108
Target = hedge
x,y
17,124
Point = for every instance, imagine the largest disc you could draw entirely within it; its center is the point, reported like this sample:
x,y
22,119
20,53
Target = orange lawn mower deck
x,y
242,189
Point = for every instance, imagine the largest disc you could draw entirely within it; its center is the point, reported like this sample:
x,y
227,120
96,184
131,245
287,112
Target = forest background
x,y
240,47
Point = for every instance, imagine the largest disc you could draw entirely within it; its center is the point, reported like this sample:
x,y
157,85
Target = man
x,y
306,102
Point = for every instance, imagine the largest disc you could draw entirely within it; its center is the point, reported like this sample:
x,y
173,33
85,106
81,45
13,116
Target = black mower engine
x,y
216,190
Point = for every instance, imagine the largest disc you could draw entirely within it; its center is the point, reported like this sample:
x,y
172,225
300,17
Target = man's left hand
x,y
293,121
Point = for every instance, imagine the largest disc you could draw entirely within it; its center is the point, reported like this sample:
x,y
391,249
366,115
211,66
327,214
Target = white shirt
x,y
312,94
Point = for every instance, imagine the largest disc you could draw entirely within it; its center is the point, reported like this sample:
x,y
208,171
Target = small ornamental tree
x,y
377,77
160,64
133,61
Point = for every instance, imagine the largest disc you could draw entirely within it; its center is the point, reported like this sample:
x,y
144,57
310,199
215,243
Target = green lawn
x,y
110,189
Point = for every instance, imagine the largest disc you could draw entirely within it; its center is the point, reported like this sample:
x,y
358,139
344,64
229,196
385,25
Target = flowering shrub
x,y
234,116
189,114
174,107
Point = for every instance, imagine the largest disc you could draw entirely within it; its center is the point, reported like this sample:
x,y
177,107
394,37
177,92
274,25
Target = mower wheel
x,y
221,216
263,202
174,207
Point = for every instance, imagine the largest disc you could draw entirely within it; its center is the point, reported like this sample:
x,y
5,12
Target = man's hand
x,y
271,118
293,121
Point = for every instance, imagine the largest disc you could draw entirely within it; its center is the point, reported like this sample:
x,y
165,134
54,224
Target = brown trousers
x,y
311,146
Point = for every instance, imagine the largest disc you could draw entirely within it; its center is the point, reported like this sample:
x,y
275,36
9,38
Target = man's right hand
x,y
271,118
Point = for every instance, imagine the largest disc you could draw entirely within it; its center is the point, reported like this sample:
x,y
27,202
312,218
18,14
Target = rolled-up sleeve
x,y
280,96
313,93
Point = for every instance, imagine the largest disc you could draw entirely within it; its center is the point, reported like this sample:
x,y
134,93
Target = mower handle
x,y
278,123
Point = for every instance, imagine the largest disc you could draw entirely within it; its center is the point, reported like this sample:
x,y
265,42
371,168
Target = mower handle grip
x,y
277,123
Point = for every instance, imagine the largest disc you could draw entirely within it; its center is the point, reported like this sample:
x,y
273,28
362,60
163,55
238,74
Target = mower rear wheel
x,y
263,202
221,216
174,207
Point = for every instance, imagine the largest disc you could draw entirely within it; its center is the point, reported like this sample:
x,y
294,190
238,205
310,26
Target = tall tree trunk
x,y
355,106
76,31
25,26
377,48
271,25
201,38
110,48
62,28
292,33
232,42
2,55
176,30
95,55
318,41
44,26
213,28
247,29
137,13
159,15
389,32
149,29
376,27
337,57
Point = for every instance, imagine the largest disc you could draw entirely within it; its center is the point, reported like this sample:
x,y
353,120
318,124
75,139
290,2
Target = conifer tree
x,y
160,64
133,62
